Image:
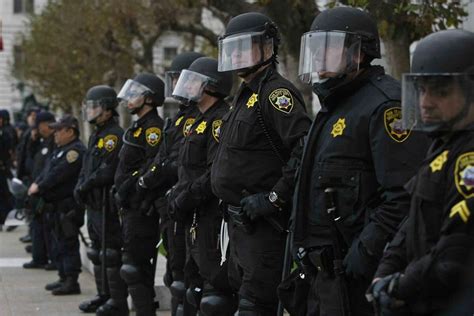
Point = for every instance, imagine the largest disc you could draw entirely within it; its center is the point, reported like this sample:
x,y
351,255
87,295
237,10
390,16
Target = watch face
x,y
273,197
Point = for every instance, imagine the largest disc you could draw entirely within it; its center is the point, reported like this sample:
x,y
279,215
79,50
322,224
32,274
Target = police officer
x,y
253,173
140,224
39,230
6,199
424,266
55,185
8,127
350,197
191,200
92,190
163,174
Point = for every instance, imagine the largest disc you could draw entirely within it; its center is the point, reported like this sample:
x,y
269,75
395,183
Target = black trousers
x,y
256,264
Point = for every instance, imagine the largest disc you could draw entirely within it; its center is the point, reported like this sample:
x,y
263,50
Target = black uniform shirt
x,y
433,247
197,155
59,177
42,156
101,159
246,160
357,147
141,143
5,152
163,172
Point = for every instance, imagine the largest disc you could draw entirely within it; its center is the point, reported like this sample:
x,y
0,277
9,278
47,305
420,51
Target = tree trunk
x,y
397,53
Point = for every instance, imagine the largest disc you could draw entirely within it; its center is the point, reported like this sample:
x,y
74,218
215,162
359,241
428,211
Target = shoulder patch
x,y
153,136
438,163
338,127
201,127
251,101
216,129
178,121
464,174
110,142
187,126
282,100
393,125
72,156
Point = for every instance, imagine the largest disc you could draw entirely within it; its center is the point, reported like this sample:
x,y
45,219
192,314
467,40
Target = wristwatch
x,y
274,199
141,183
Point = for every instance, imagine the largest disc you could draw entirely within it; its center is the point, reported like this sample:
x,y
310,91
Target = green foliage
x,y
405,18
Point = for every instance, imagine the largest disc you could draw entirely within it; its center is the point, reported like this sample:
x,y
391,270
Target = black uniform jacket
x,y
100,161
59,177
42,156
356,146
261,139
141,143
196,157
163,172
435,243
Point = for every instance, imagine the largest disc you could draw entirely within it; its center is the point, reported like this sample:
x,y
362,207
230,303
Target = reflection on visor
x,y
190,86
326,54
91,109
171,78
243,51
131,90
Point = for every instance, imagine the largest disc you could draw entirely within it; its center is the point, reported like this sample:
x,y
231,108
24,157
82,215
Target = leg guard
x,y
140,293
93,304
193,296
248,308
178,292
217,305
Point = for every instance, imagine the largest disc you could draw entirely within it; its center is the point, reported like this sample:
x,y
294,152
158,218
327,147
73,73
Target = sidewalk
x,y
22,291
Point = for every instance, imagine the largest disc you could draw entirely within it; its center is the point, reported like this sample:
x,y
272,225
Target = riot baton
x,y
103,268
286,266
329,195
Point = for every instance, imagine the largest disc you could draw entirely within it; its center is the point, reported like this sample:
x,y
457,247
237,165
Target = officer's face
x,y
31,119
44,130
242,57
135,102
192,87
62,136
440,103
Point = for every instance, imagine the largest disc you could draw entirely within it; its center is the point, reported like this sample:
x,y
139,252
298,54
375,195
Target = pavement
x,y
22,290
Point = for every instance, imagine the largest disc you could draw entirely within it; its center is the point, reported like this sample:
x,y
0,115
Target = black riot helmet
x,y
98,99
335,42
438,93
202,77
250,41
180,62
139,90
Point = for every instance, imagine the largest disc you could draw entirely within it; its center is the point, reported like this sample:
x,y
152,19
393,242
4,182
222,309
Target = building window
x,y
18,61
23,6
169,54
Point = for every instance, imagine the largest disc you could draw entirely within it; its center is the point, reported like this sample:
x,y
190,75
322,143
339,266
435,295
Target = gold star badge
x,y
201,127
251,101
338,127
438,163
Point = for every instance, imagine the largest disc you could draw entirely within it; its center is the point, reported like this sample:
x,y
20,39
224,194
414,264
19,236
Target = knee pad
x,y
193,296
94,256
178,289
112,257
217,305
130,274
248,308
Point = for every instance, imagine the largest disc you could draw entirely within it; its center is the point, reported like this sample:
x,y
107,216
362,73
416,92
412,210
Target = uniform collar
x,y
254,85
149,115
109,122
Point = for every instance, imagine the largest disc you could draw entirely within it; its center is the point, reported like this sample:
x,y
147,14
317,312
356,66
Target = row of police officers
x,y
372,200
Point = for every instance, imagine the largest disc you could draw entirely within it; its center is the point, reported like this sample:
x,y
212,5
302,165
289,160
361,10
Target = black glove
x,y
382,293
257,205
359,264
124,192
181,206
79,196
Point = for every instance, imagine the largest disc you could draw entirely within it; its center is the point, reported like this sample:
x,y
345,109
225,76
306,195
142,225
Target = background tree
x,y
402,22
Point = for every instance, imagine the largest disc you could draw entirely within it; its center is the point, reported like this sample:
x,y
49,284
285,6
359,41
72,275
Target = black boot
x,y
69,287
117,304
54,285
93,304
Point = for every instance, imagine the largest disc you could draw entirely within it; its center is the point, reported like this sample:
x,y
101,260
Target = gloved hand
x,y
181,206
358,263
257,205
382,293
124,192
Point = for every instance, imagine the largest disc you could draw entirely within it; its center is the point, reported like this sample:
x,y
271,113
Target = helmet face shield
x,y
244,51
328,54
171,78
436,102
190,86
91,109
132,95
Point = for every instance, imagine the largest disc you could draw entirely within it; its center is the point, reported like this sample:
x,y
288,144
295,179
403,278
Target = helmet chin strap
x,y
250,70
325,88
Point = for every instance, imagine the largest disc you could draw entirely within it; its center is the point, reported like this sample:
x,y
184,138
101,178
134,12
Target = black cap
x,y
44,117
68,121
350,20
